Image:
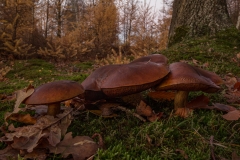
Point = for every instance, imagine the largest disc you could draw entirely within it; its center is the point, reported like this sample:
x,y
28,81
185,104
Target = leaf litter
x,y
44,134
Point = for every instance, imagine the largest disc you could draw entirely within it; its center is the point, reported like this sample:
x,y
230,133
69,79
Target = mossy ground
x,y
128,138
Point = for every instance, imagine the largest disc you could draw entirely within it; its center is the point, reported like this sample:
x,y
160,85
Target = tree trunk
x,y
238,21
195,18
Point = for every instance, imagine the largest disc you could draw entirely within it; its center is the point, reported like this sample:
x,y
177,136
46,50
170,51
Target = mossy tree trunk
x,y
195,18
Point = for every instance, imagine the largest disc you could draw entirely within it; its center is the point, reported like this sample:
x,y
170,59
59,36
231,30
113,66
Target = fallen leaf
x,y
66,119
232,115
232,96
144,109
183,153
9,152
21,96
27,118
223,107
235,156
28,142
80,147
238,55
237,86
38,153
107,108
155,116
162,95
230,81
200,102
205,65
195,61
54,135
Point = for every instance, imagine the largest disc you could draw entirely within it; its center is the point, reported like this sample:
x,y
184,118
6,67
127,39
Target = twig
x,y
130,112
58,119
212,148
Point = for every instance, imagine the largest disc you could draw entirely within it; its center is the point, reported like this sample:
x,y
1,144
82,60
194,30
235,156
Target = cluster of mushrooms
x,y
112,81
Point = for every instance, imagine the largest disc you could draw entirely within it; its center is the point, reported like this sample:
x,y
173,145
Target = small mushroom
x,y
53,93
123,79
185,78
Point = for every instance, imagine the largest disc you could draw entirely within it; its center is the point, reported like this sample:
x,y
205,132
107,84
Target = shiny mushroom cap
x,y
157,58
54,92
184,77
211,75
125,79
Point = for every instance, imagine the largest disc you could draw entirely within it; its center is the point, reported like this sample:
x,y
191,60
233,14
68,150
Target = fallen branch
x,y
130,112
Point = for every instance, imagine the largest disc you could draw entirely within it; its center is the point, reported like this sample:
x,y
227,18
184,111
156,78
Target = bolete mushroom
x,y
123,79
157,58
53,93
185,78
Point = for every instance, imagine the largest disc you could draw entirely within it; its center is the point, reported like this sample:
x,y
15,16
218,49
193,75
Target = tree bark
x,y
195,18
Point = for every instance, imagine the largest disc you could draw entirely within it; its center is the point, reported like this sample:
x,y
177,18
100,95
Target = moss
x,y
178,36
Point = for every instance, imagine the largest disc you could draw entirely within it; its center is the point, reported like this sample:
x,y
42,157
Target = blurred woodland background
x,y
63,30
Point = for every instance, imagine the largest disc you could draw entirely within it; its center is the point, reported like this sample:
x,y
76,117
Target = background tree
x,y
197,18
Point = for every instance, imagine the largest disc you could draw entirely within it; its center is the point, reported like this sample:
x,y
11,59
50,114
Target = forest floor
x,y
204,135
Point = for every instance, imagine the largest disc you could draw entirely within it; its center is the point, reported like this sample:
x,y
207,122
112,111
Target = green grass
x,y
125,136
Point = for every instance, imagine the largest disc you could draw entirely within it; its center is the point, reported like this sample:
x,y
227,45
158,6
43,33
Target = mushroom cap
x,y
125,79
54,92
184,77
157,58
211,75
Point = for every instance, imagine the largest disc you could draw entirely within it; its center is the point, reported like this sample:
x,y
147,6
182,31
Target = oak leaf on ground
x,y
232,115
80,147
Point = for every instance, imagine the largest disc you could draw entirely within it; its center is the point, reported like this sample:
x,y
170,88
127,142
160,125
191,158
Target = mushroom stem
x,y
180,102
53,109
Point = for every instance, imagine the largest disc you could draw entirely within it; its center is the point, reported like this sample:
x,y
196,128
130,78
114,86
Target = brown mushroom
x,y
124,79
53,93
157,58
185,78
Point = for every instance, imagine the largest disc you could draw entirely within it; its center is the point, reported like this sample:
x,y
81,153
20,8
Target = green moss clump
x,y
178,36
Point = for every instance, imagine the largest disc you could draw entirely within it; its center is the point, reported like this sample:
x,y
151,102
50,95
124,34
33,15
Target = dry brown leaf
x,y
223,107
235,156
232,115
66,120
80,147
107,108
54,135
144,109
238,55
38,153
205,65
27,118
183,153
230,81
195,61
155,116
21,96
9,152
237,86
78,103
27,139
200,102
162,95
232,97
